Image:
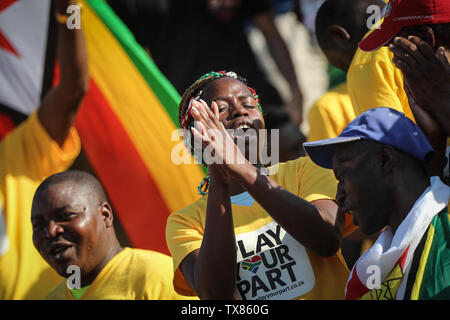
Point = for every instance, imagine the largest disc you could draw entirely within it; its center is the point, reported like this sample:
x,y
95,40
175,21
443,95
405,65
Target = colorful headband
x,y
185,121
187,115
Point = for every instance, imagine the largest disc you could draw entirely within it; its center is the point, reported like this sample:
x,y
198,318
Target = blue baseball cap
x,y
383,125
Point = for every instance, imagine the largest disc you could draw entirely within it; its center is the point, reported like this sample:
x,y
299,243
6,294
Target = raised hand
x,y
427,74
218,145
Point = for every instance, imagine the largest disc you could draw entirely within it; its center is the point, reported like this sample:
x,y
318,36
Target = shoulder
x,y
193,213
334,100
148,265
287,169
155,258
36,152
370,57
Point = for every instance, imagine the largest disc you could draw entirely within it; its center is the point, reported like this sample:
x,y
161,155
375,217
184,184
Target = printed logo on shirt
x,y
252,264
271,265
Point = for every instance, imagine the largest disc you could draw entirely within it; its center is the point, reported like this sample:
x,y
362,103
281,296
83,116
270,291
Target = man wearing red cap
x,y
418,34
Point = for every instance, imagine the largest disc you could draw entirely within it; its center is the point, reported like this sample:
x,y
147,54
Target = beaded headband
x,y
187,118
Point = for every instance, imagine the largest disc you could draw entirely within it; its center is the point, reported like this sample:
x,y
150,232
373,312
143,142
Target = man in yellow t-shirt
x,y
373,79
73,231
340,25
44,144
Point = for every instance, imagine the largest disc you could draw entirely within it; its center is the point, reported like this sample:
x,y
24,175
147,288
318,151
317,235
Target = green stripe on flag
x,y
161,86
436,277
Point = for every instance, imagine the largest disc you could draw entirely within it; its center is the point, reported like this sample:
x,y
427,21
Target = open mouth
x,y
59,251
244,131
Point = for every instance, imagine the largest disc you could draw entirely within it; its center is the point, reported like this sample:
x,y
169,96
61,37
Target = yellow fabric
x,y
302,177
374,81
330,114
415,291
389,287
133,274
140,112
27,156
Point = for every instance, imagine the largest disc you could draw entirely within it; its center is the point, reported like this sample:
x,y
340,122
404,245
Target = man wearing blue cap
x,y
380,160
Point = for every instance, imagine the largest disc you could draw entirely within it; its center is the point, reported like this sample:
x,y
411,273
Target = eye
x,y
222,107
65,216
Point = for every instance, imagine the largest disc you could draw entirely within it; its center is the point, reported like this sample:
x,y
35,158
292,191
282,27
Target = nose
x,y
53,229
238,110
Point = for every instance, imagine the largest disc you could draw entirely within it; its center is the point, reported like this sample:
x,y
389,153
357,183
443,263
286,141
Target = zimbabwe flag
x,y
430,270
126,122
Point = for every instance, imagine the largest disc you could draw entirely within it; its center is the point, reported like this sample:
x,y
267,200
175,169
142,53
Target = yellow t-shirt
x,y
330,114
271,264
374,81
133,274
27,156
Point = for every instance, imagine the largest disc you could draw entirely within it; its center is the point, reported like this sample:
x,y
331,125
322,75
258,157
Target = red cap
x,y
403,13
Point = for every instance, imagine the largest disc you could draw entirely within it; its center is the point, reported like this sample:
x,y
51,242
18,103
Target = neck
x,y
406,195
114,249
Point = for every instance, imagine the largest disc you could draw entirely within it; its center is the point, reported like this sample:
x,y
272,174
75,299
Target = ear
x,y
107,214
338,33
387,157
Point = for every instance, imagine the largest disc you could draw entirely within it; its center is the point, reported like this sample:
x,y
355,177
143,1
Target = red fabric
x,y
355,288
139,205
6,125
401,13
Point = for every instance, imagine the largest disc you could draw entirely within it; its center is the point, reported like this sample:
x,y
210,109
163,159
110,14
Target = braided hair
x,y
194,92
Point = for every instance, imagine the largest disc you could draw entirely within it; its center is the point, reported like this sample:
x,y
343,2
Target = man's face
x,y
67,227
361,191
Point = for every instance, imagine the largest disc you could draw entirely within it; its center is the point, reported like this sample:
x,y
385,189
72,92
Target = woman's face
x,y
238,112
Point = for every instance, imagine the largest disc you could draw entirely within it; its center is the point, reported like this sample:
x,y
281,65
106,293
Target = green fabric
x,y
78,293
336,76
436,278
164,90
160,85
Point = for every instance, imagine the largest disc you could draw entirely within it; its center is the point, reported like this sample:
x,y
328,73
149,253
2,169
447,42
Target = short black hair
x,y
350,14
77,177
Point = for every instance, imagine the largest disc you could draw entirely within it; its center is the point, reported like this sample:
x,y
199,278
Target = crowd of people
x,y
374,165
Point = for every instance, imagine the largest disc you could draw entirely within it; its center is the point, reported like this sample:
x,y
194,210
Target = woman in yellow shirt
x,y
256,235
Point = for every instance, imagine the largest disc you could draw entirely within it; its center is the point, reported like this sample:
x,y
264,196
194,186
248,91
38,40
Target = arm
x,y
426,81
60,105
316,225
280,54
211,270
